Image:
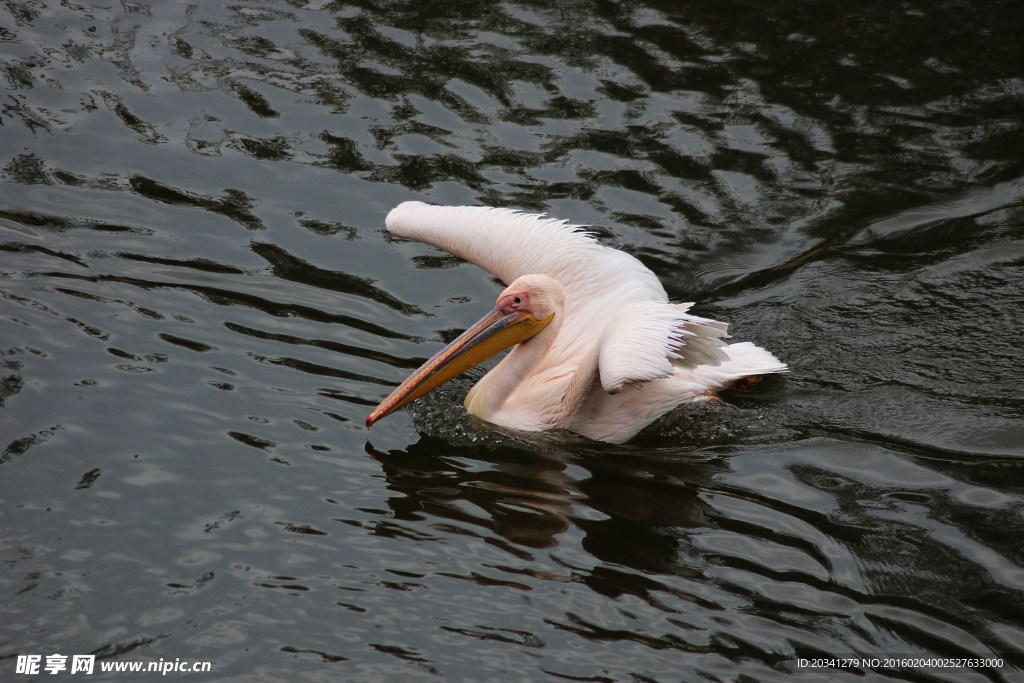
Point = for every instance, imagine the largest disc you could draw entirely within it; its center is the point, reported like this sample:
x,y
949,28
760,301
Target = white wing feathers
x,y
649,339
509,244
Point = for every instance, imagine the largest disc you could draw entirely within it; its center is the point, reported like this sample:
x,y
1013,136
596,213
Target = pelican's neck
x,y
522,362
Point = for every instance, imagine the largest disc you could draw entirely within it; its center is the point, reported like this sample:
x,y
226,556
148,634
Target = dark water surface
x,y
199,306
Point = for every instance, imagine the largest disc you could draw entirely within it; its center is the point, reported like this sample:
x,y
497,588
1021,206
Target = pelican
x,y
598,348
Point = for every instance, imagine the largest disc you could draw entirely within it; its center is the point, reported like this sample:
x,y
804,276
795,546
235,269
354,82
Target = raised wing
x,y
509,244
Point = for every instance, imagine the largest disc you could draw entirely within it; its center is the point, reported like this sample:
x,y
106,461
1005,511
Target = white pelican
x,y
599,350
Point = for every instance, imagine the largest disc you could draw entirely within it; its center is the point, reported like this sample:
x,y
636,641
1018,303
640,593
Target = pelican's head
x,y
538,295
521,311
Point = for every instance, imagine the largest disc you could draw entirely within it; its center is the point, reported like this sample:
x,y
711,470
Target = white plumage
x,y
616,354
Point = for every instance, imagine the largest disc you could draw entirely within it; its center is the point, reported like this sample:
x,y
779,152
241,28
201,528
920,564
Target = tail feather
x,y
745,359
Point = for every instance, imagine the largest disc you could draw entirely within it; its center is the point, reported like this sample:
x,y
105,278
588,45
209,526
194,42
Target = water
x,y
199,306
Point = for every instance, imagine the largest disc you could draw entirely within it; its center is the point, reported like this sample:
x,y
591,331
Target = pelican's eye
x,y
518,301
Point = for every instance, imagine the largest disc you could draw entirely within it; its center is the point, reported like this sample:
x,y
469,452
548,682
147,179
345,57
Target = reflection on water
x,y
530,498
199,306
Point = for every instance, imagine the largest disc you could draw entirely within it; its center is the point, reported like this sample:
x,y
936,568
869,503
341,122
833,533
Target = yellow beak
x,y
496,332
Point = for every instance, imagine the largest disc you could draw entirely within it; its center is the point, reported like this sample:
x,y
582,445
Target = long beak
x,y
496,332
